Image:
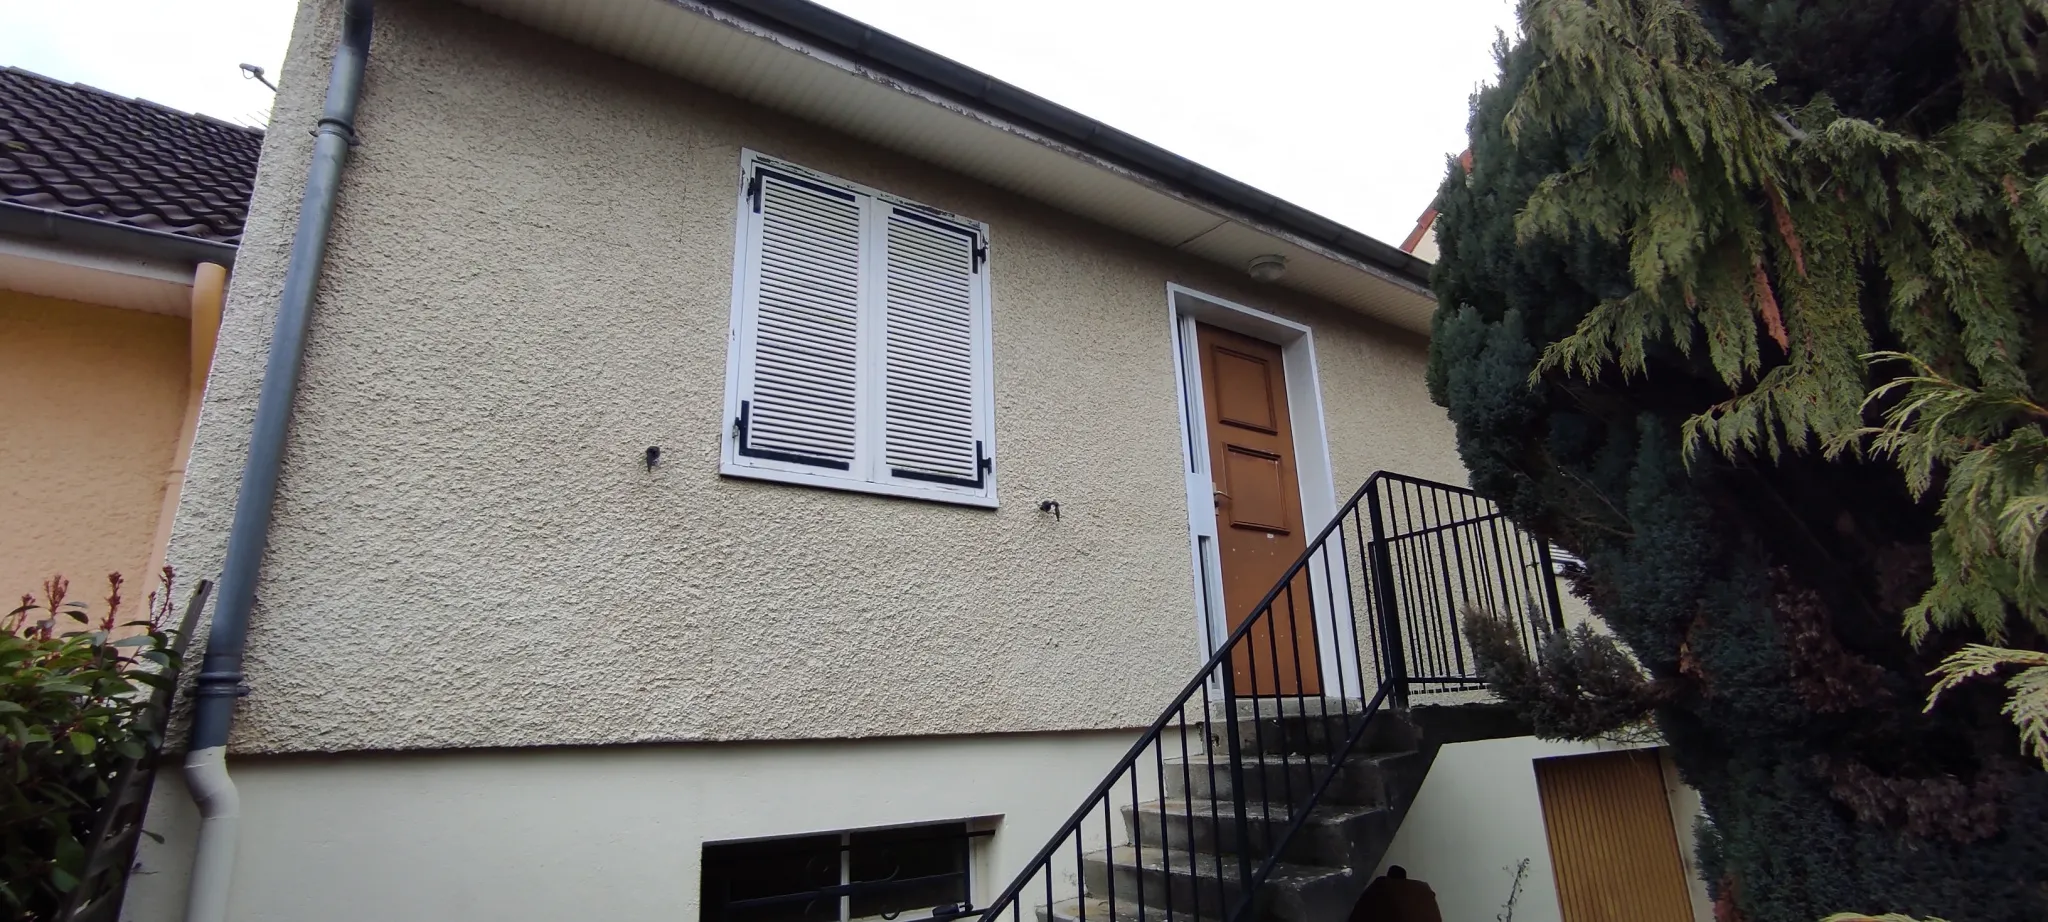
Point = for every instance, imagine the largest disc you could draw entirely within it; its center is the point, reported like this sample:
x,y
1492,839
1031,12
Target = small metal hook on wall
x,y
653,456
1052,506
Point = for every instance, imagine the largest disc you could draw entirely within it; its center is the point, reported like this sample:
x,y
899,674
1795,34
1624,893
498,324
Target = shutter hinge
x,y
986,464
980,254
754,191
739,425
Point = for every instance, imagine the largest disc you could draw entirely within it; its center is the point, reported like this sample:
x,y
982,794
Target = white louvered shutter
x,y
800,373
860,349
933,370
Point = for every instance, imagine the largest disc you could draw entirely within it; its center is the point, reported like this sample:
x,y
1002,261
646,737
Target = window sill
x,y
932,494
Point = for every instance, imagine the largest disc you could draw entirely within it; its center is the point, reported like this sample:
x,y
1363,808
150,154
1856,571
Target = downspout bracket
x,y
220,685
346,130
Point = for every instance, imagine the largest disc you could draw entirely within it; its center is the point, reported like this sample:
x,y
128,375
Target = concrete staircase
x,y
1179,858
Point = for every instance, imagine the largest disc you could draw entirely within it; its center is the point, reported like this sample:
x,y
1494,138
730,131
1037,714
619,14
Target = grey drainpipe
x,y
220,673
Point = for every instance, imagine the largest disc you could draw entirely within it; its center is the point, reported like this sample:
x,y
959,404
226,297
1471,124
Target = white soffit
x,y
757,65
40,268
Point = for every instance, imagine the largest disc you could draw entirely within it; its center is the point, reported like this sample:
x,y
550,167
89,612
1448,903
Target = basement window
x,y
907,873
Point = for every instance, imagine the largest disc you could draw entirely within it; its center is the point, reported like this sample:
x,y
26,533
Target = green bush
x,y
75,707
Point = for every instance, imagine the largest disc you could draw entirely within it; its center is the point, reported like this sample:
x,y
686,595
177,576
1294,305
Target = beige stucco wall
x,y
615,833
1426,248
530,282
91,403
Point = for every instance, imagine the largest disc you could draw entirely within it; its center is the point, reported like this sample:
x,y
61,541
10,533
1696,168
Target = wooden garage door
x,y
1612,847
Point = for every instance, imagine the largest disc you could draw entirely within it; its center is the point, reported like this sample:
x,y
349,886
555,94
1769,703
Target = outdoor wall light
x,y
1267,268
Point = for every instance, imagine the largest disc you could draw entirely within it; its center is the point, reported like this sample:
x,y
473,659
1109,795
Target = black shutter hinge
x,y
754,191
739,425
983,466
980,254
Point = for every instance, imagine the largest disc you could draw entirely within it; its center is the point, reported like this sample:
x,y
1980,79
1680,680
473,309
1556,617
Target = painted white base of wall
x,y
1478,814
609,833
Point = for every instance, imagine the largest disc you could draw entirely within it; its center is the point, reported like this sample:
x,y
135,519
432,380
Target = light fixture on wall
x,y
1267,268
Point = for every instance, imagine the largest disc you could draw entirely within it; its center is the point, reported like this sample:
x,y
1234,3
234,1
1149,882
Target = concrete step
x,y
1332,835
1444,724
1089,909
1369,779
1188,867
1294,892
1315,726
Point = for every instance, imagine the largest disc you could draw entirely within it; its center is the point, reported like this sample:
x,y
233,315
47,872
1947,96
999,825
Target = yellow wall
x,y
91,402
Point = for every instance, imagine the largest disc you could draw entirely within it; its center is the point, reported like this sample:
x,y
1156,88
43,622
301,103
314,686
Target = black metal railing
x,y
1446,548
1367,615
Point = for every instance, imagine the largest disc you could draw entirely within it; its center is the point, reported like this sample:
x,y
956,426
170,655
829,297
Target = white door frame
x,y
1186,307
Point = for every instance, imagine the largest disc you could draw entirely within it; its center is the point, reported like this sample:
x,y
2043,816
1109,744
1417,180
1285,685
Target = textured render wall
x,y
613,833
1426,248
529,283
1375,405
91,402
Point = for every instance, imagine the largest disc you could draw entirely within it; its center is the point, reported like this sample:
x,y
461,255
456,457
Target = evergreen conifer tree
x,y
1741,301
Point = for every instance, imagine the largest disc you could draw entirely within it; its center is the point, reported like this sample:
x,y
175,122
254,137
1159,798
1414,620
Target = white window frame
x,y
868,474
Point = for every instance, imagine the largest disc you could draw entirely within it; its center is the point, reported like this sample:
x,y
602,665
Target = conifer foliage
x,y
1742,302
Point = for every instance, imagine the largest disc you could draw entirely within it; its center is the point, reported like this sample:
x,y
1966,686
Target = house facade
x,y
726,457
119,220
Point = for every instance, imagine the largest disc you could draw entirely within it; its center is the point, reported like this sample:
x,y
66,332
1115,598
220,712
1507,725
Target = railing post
x,y
1550,584
1237,794
1393,656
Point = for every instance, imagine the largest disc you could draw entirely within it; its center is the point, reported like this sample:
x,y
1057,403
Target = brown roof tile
x,y
91,154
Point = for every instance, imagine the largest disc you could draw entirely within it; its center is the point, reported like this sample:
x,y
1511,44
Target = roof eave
x,y
824,69
110,237
869,47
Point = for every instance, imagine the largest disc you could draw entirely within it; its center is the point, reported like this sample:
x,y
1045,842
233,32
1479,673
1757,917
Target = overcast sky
x,y
1345,107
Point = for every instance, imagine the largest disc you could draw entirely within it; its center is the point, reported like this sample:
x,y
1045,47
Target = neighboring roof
x,y
1428,219
78,152
799,58
1422,226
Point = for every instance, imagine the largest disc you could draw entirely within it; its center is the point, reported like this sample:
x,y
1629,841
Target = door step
x,y
1207,886
1365,779
1092,909
1333,835
1308,725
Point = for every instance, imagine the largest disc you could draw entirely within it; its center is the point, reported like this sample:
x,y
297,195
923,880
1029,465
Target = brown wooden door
x,y
1258,510
1613,850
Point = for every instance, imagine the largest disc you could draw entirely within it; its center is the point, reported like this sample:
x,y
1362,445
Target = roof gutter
x,y
884,52
18,220
220,672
